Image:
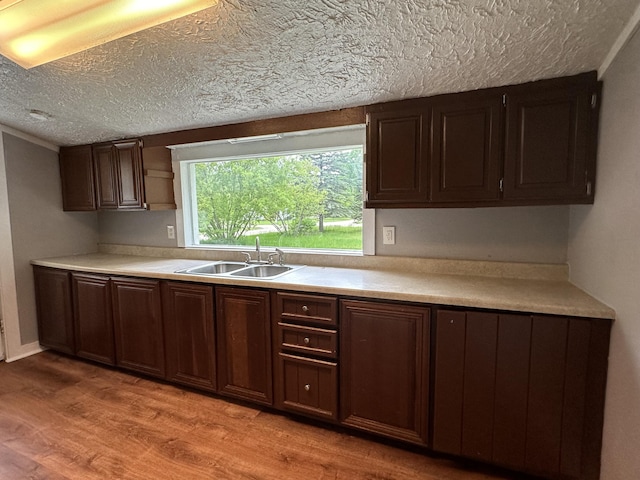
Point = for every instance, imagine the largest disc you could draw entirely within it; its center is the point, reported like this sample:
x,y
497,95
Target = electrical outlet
x,y
171,232
389,235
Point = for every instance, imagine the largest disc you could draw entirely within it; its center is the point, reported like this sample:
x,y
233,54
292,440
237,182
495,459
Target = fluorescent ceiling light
x,y
257,138
33,32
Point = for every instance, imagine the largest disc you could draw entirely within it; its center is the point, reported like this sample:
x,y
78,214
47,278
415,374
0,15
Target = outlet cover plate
x,y
389,235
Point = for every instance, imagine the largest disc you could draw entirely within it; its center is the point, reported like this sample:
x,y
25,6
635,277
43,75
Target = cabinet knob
x,y
306,340
307,387
305,309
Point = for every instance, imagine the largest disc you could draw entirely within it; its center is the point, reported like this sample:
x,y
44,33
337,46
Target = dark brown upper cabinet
x,y
466,148
529,144
118,170
396,145
76,173
116,176
548,152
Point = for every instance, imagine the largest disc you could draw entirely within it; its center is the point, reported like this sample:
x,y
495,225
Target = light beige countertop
x,y
558,297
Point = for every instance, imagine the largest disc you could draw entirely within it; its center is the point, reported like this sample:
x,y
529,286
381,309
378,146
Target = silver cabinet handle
x,y
306,340
307,387
305,308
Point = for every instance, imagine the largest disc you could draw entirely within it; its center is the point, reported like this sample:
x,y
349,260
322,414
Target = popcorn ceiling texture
x,y
249,59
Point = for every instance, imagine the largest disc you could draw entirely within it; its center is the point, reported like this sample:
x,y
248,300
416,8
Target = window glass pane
x,y
311,199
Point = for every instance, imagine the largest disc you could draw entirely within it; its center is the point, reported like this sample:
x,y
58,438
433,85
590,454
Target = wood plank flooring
x,y
62,418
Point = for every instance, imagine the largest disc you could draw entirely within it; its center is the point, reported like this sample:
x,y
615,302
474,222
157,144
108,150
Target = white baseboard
x,y
24,351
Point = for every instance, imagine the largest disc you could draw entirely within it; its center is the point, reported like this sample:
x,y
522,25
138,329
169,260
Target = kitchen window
x,y
296,191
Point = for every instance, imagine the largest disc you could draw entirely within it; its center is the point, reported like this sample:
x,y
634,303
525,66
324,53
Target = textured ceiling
x,y
250,59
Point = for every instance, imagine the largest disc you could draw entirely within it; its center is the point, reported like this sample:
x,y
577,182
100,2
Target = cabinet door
x,y
129,175
548,150
189,334
309,386
520,391
105,173
466,149
93,318
138,325
384,373
54,311
244,344
76,173
396,165
463,383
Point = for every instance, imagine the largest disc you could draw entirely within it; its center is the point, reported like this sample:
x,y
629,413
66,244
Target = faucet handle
x,y
247,257
280,256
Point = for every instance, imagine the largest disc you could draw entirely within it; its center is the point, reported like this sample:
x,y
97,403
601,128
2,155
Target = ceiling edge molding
x,y
28,138
627,32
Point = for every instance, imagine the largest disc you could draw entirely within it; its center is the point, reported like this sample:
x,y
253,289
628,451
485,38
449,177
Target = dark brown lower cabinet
x,y
137,318
305,345
309,386
189,334
522,391
384,369
93,318
244,344
54,310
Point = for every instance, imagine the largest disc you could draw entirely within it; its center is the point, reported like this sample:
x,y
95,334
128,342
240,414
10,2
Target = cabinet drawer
x,y
308,340
307,308
309,386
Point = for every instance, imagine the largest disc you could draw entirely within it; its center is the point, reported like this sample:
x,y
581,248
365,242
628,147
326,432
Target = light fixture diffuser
x,y
33,32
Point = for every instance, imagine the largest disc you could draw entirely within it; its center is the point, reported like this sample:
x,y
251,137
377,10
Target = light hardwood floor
x,y
62,418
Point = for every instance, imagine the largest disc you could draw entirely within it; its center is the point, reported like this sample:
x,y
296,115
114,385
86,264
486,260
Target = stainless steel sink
x,y
215,268
263,271
240,269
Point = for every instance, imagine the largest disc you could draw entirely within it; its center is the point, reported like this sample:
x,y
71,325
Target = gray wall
x,y
39,227
148,228
514,234
604,257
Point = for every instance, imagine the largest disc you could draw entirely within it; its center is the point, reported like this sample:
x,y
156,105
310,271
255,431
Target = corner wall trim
x,y
627,32
29,138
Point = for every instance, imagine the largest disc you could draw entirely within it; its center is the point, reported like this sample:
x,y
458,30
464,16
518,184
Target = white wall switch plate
x,y
389,235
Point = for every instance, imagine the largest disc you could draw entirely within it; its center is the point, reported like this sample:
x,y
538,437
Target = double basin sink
x,y
242,270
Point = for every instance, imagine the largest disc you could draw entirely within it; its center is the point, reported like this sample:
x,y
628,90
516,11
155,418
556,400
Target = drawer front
x,y
308,340
308,308
309,386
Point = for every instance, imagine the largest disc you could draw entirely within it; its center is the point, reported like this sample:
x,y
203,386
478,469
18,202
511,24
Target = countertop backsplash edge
x,y
484,268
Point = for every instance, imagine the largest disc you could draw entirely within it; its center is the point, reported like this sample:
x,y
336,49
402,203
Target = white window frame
x,y
183,156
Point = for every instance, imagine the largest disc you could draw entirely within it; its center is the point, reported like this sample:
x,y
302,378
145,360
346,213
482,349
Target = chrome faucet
x,y
280,255
258,249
